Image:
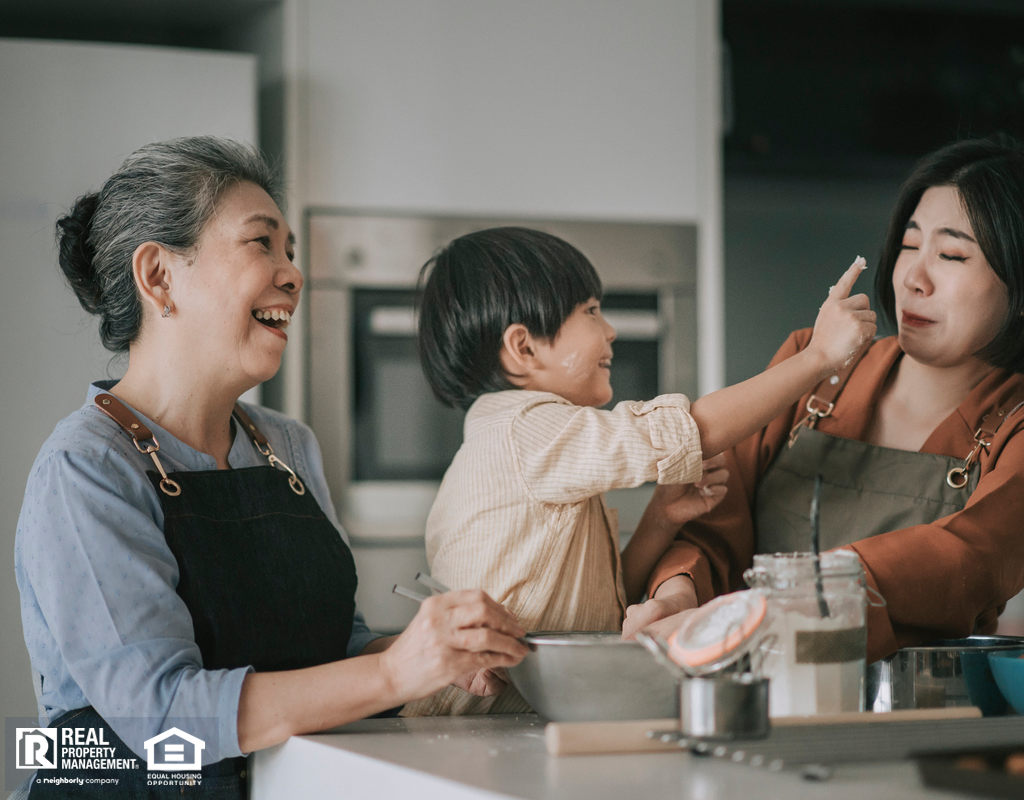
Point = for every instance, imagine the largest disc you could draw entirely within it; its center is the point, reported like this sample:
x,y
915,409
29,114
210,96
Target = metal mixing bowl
x,y
940,674
571,677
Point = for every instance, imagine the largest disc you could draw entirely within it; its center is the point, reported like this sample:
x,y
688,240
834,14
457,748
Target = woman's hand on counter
x,y
454,637
664,612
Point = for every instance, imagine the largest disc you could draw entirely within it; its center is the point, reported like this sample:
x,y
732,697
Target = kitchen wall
x,y
71,113
576,108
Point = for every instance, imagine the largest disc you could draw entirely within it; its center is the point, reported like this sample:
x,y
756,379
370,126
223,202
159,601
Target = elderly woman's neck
x,y
190,405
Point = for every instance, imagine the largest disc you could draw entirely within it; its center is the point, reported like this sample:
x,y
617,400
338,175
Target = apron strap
x,y
823,399
984,431
265,449
119,412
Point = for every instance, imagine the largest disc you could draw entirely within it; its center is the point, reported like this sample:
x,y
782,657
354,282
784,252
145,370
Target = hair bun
x,y
76,253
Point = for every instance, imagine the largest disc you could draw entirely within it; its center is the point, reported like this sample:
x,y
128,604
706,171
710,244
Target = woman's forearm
x,y
648,543
276,705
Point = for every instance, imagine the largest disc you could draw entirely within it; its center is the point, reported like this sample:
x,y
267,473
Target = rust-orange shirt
x,y
943,580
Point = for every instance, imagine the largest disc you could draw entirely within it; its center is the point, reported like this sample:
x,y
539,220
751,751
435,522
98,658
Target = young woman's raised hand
x,y
844,323
453,637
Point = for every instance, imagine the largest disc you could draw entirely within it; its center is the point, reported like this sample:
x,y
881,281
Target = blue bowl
x,y
1008,670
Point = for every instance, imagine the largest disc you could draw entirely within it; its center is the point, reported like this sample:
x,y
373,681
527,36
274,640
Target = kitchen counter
x,y
471,758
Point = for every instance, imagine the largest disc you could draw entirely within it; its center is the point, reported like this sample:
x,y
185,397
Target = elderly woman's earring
x,y
167,311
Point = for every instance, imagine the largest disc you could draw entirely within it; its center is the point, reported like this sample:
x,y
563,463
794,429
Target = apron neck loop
x,y
985,430
823,399
265,449
140,434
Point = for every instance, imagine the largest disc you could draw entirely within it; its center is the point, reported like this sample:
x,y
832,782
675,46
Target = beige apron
x,y
866,489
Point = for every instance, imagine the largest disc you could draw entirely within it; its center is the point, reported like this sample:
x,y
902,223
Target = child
x,y
511,329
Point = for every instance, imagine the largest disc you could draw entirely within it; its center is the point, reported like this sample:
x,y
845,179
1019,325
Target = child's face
x,y
576,364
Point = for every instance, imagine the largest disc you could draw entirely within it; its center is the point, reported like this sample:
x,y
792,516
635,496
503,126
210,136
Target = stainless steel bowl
x,y
571,677
941,674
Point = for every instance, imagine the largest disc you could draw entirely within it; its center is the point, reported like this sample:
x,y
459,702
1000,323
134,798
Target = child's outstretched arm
x,y
728,416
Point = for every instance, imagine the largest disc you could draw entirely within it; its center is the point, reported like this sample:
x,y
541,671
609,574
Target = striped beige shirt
x,y
520,512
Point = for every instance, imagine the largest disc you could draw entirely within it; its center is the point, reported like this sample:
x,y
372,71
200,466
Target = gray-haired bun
x,y
164,192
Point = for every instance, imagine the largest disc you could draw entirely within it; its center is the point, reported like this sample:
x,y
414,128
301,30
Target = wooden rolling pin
x,y
592,738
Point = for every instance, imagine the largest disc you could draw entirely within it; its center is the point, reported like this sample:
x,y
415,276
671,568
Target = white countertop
x,y
471,758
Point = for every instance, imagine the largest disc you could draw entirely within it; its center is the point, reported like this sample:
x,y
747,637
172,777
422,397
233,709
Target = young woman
x,y
921,442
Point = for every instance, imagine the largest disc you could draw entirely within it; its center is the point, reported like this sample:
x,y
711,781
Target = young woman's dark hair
x,y
988,174
477,286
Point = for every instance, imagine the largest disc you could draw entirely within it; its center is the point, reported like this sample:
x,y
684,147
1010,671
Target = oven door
x,y
401,432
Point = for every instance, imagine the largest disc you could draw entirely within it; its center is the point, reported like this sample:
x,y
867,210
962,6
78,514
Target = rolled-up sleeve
x,y
102,618
566,453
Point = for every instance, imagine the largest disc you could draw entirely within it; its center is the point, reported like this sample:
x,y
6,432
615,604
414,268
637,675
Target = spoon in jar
x,y
816,547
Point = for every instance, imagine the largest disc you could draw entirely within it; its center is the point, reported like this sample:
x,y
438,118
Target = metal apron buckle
x,y
816,409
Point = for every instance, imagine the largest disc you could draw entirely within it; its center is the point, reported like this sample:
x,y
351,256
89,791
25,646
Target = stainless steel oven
x,y
386,440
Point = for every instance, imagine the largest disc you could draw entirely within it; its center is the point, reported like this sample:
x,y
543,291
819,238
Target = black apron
x,y
267,578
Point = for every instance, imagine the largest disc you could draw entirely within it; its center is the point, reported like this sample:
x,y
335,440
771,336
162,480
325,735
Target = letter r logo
x,y
36,748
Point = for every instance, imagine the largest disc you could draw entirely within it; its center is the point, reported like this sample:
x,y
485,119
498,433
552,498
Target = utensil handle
x,y
587,738
901,715
401,590
430,583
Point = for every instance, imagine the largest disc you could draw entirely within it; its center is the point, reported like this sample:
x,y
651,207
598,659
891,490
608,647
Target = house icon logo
x,y
36,748
174,750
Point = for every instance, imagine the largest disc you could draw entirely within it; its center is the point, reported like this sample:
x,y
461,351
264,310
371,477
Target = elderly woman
x,y
920,441
179,559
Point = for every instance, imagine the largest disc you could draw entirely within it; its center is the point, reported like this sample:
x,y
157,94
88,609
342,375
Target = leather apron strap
x,y
141,434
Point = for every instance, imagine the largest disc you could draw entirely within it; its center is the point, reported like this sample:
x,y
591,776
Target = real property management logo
x,y
36,748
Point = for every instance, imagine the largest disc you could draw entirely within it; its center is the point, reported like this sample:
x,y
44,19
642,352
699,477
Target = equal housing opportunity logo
x,y
174,751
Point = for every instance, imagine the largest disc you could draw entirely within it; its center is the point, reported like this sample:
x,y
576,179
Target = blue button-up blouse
x,y
103,623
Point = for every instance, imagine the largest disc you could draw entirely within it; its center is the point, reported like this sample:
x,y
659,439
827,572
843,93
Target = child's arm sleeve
x,y
566,453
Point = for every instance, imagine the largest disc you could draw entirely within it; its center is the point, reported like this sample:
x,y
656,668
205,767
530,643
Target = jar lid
x,y
719,633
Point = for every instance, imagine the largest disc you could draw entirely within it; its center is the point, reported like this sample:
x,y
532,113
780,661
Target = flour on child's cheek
x,y
571,364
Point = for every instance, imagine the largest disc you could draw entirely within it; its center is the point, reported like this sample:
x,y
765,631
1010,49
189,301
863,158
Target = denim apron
x,y
267,578
866,489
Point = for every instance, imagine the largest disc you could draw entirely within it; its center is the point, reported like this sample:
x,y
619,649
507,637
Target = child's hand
x,y
674,504
844,323
483,683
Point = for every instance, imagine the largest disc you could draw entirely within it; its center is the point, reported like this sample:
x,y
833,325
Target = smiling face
x,y
949,301
240,289
576,364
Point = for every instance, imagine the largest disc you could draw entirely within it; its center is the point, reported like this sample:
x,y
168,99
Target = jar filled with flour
x,y
815,639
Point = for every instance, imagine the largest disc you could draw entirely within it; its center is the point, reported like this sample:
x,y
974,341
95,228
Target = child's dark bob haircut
x,y
988,174
478,285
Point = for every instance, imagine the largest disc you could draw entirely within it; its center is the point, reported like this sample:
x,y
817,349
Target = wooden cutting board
x,y
591,738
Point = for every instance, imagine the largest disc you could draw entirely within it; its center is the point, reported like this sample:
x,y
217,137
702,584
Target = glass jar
x,y
815,645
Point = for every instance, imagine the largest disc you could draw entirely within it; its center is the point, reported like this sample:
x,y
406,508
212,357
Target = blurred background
x,y
764,139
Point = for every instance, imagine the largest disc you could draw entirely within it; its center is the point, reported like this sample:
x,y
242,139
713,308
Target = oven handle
x,y
630,325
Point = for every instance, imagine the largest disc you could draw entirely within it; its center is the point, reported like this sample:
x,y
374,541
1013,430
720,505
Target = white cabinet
x,y
71,112
589,108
